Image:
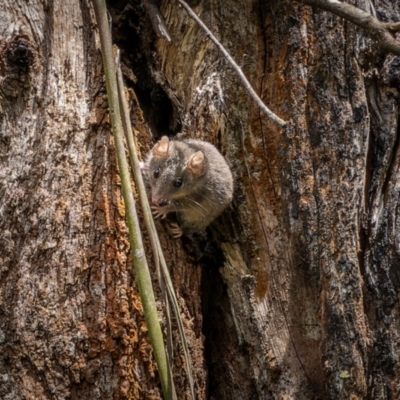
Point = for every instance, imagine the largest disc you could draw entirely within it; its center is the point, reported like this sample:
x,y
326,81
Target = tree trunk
x,y
293,293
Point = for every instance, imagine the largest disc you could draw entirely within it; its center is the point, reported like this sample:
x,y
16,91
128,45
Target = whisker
x,y
195,206
195,202
181,210
207,198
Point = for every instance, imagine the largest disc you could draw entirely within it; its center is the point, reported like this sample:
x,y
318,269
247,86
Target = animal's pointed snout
x,y
160,203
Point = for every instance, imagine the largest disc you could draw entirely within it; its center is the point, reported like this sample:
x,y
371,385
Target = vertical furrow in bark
x,y
336,138
338,158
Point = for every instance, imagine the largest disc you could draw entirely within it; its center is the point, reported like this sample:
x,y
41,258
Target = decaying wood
x,y
292,293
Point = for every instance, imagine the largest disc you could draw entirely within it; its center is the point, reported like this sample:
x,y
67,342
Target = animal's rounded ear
x,y
161,149
196,163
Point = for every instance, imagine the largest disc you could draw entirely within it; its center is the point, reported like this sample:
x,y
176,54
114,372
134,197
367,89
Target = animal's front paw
x,y
160,212
175,230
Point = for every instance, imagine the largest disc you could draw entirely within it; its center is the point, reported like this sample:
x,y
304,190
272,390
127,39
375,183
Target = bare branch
x,y
378,30
236,67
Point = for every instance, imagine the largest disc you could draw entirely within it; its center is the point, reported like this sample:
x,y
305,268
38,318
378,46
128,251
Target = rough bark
x,y
71,323
292,293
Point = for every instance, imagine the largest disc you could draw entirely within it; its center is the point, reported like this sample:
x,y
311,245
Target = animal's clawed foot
x,y
160,212
175,230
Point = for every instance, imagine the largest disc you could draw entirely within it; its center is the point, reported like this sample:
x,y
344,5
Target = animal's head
x,y
173,171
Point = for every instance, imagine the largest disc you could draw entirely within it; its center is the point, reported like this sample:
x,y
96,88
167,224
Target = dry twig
x,y
236,67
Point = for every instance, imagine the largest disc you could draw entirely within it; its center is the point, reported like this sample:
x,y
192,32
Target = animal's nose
x,y
160,203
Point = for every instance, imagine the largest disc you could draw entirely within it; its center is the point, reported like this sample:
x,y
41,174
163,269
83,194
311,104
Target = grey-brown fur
x,y
207,183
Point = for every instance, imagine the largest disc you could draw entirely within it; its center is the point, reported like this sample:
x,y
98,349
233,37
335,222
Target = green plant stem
x,y
148,217
151,228
138,254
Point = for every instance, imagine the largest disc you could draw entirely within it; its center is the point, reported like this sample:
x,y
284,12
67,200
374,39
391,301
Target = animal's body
x,y
191,178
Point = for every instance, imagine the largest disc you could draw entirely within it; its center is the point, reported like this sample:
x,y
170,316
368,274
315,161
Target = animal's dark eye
x,y
178,182
156,173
